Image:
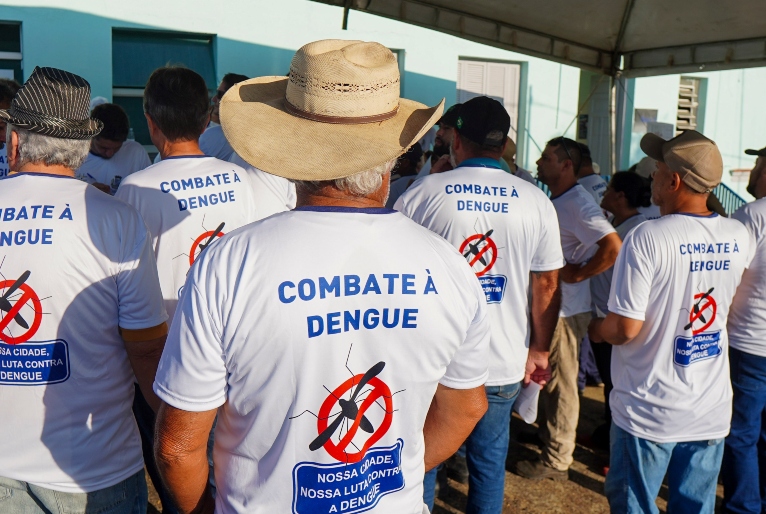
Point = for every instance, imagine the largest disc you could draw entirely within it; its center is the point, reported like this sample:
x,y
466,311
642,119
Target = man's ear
x,y
456,143
675,181
12,151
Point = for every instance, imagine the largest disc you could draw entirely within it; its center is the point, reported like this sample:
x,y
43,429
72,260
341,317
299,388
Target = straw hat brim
x,y
264,134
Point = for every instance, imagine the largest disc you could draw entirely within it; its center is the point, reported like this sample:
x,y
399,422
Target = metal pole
x,y
613,124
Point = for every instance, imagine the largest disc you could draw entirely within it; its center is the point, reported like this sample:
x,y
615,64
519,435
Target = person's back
x,y
68,255
504,227
338,369
82,319
319,326
188,200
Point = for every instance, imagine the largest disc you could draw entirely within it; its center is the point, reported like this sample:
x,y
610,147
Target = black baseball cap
x,y
483,120
450,116
759,153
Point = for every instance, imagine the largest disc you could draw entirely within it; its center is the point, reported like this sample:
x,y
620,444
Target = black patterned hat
x,y
54,103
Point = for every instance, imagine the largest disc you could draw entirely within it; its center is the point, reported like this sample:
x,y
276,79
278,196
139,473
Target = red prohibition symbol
x,y
203,241
482,249
28,295
338,450
704,302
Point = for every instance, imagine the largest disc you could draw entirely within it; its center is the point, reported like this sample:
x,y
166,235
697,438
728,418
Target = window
x,y
688,117
10,51
498,80
137,53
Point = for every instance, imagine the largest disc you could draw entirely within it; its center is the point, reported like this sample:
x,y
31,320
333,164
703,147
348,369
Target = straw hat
x,y
338,113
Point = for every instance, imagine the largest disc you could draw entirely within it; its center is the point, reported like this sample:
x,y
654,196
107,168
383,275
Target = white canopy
x,y
637,37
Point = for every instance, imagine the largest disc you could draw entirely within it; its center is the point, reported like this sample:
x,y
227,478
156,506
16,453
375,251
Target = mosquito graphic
x,y
696,309
5,304
212,237
473,248
349,410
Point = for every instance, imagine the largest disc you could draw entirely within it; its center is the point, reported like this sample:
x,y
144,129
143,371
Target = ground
x,y
582,494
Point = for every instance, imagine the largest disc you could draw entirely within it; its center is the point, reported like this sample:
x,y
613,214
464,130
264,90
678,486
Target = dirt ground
x,y
582,494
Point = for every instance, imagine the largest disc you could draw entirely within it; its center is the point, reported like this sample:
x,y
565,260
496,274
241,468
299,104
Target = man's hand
x,y
538,369
569,273
180,449
441,165
450,420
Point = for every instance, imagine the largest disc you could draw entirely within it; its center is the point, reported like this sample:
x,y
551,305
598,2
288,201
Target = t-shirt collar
x,y
334,208
480,162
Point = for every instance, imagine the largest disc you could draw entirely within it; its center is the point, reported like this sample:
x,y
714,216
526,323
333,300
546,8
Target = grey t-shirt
x,y
601,283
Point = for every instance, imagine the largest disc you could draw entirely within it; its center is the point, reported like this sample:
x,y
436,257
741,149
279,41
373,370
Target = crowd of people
x,y
265,333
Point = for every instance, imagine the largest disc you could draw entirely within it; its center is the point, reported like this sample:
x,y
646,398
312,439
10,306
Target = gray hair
x,y
36,148
360,184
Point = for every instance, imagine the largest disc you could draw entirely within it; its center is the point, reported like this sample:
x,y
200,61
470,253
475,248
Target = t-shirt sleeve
x,y
548,255
143,160
192,371
754,229
592,226
631,281
400,205
140,303
469,367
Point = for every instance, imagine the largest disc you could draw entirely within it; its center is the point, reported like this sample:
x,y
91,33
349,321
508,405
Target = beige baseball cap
x,y
693,156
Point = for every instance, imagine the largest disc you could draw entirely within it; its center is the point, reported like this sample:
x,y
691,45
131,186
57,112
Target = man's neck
x,y
47,170
686,204
330,196
561,187
462,157
179,149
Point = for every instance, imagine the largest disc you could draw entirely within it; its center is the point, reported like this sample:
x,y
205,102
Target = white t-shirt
x,y
398,187
595,185
747,318
188,203
273,194
600,284
130,158
651,213
504,227
213,142
282,318
85,266
4,162
677,274
582,224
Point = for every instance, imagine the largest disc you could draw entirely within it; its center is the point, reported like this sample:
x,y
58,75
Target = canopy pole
x,y
346,8
613,123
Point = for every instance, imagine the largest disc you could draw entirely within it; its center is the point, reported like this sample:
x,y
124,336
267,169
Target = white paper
x,y
664,130
526,403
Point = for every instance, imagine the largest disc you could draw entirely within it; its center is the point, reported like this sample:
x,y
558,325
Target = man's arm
x,y
615,329
546,301
450,420
144,348
180,449
608,248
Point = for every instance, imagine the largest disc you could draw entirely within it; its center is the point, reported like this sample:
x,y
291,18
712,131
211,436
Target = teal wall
x,y
733,104
259,37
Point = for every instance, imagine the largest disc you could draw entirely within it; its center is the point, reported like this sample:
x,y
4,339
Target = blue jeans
x,y
486,451
744,455
126,497
637,467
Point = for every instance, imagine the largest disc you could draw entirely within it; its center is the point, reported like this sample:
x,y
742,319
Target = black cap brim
x,y
759,153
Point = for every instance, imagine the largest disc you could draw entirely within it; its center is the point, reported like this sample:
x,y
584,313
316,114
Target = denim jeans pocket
x,y
506,392
104,501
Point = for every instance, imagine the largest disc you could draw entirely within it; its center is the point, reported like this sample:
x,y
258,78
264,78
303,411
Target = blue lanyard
x,y
480,162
